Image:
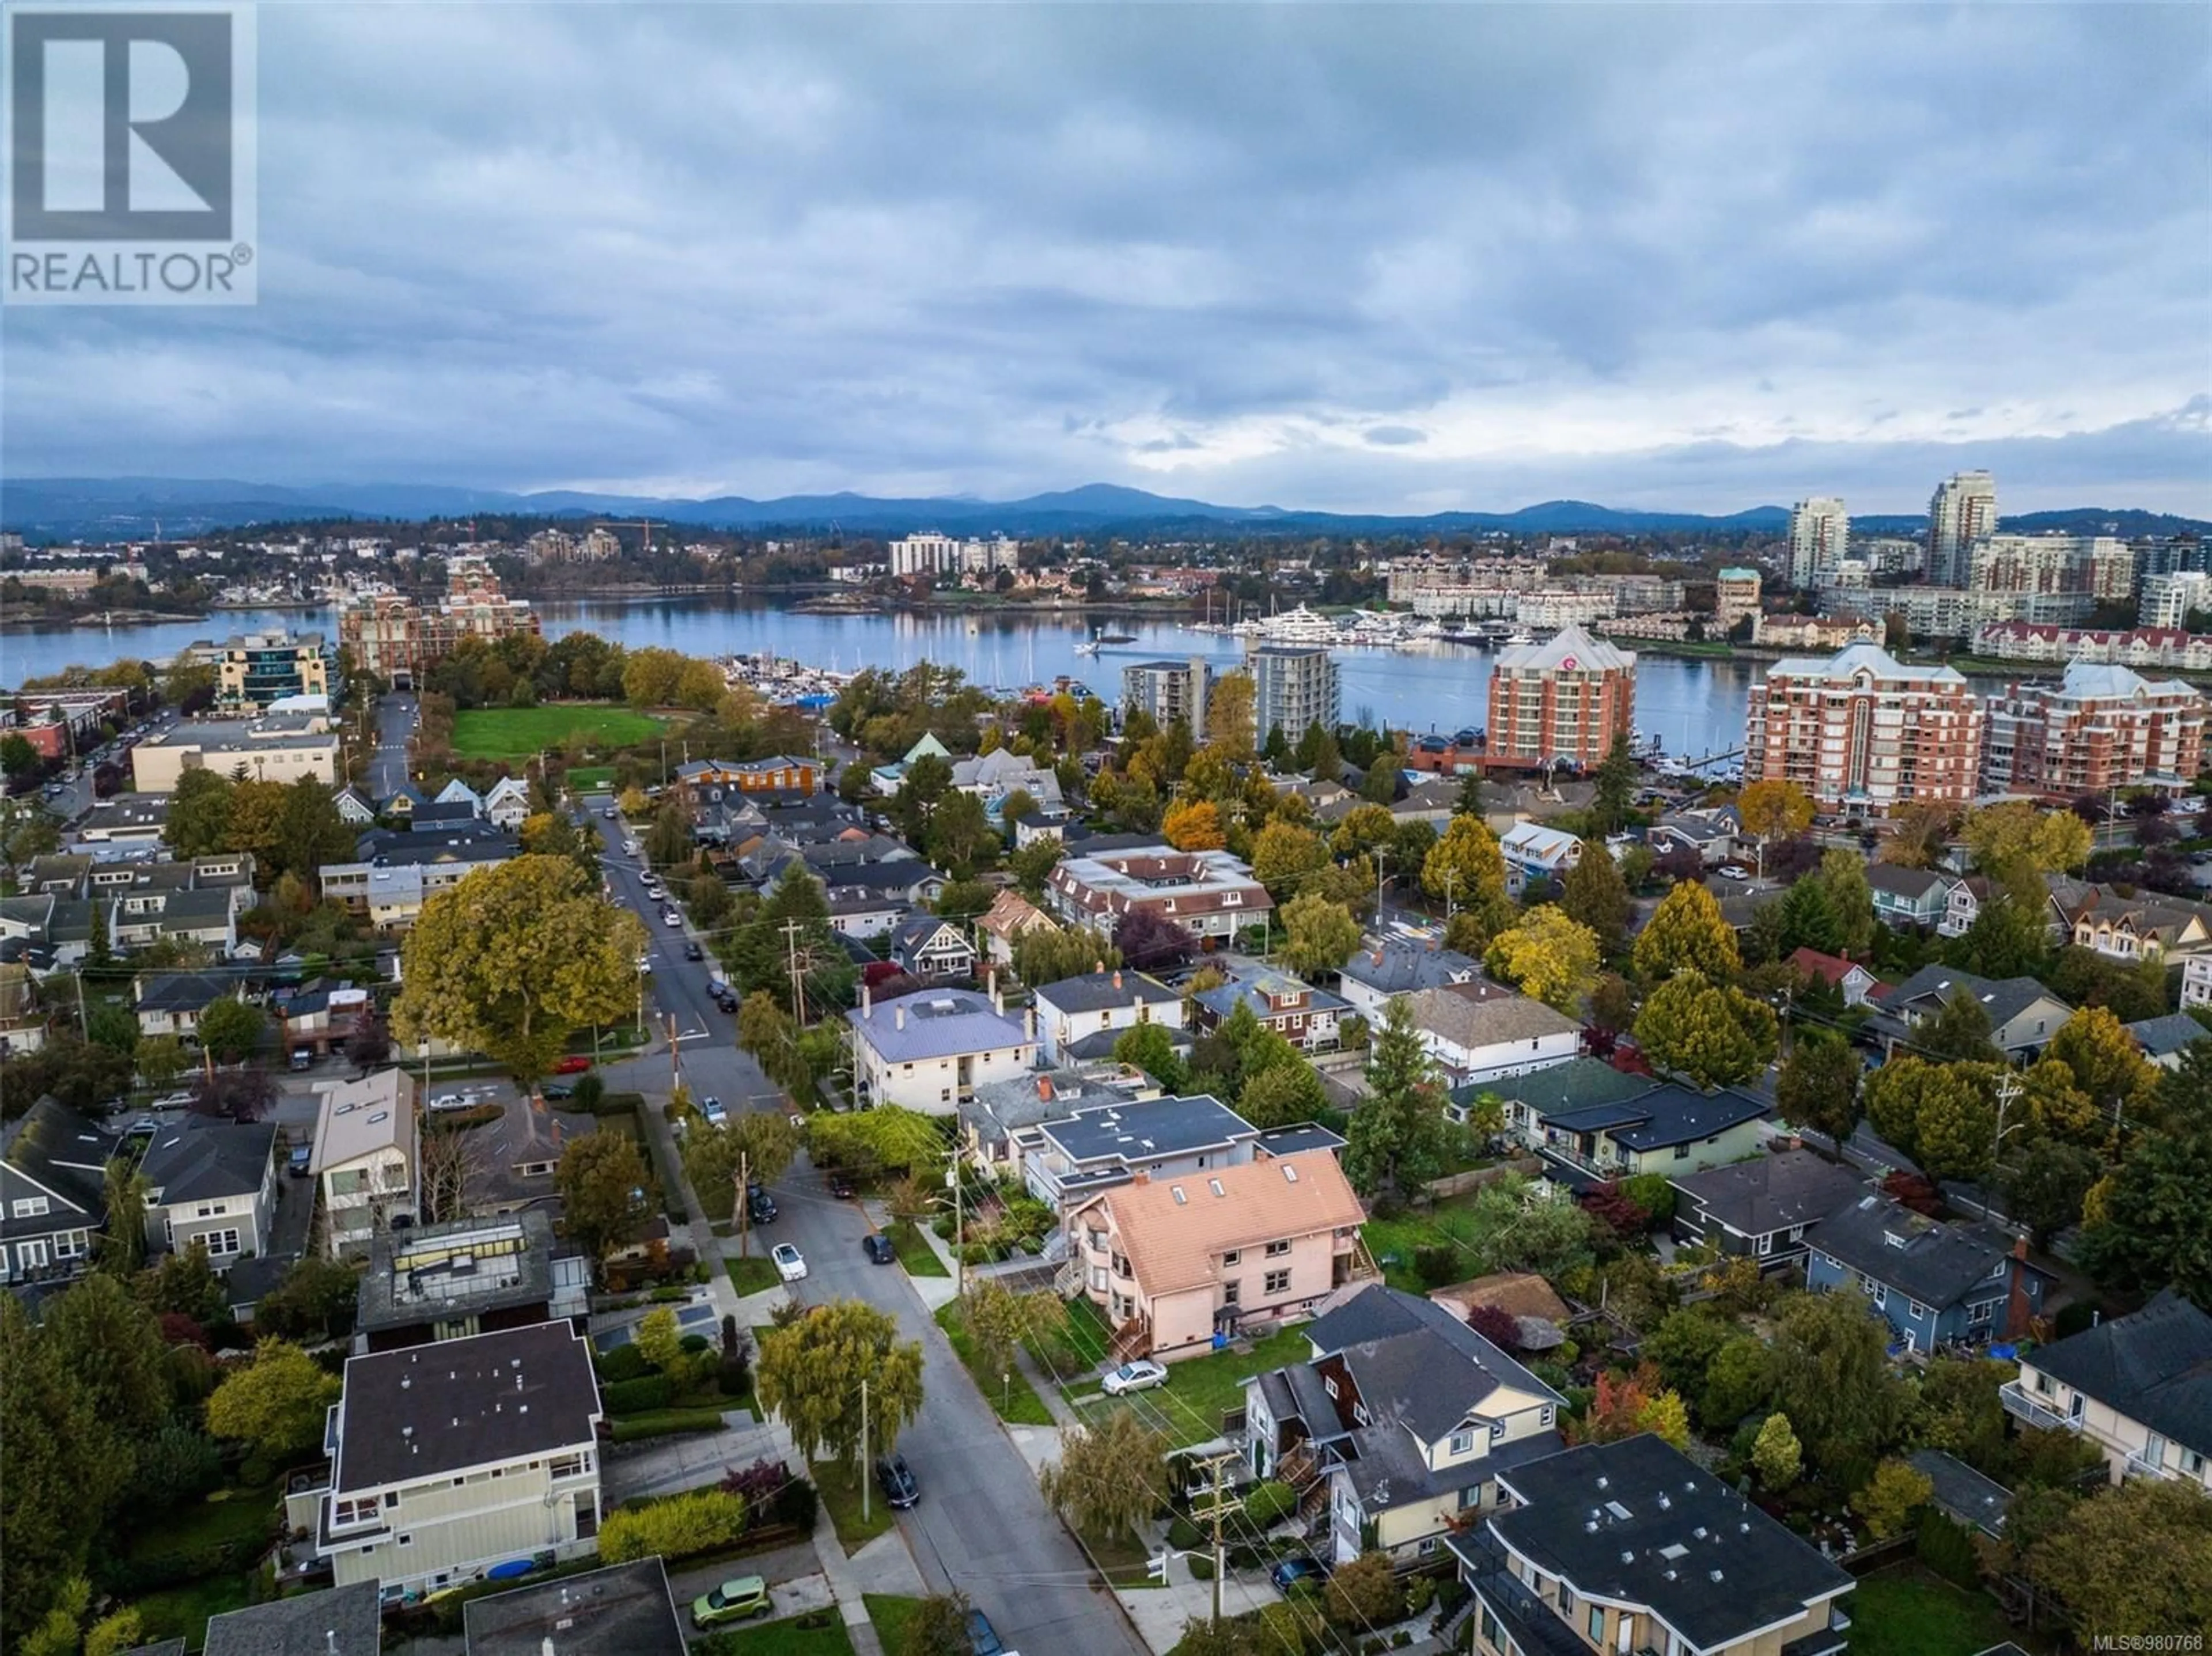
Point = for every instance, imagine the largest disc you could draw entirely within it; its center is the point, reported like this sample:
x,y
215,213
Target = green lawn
x,y
889,1614
183,1612
755,1274
1200,1390
1011,1395
239,1515
914,1251
841,1493
591,778
1395,1239
516,732
1907,1612
825,1636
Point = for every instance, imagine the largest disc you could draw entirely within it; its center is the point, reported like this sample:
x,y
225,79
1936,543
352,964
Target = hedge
x,y
132,1578
624,1363
632,1397
1269,1504
682,1527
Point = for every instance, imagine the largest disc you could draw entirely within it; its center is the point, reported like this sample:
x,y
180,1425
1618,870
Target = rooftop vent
x,y
1290,1173
1715,1574
1176,1190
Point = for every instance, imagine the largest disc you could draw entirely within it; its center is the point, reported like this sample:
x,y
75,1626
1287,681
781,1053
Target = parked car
x,y
693,952
896,1480
983,1638
712,1108
1301,1572
1733,871
172,1101
558,1089
878,1246
739,1597
1139,1376
451,1102
670,917
575,1065
725,999
301,1158
610,813
790,1263
760,1206
841,1183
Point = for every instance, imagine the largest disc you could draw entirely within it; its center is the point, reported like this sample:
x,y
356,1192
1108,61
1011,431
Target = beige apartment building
x,y
1861,731
275,748
2134,1387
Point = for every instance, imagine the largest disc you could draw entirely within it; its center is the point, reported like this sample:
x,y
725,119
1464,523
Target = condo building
x,y
1861,731
1565,701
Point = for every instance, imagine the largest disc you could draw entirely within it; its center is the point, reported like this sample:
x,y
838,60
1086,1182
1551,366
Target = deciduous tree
x,y
811,1371
1284,855
2133,1559
1000,1322
1818,1086
2006,840
1593,895
1318,935
1112,1477
1774,810
1149,1047
1687,933
1712,1035
1890,1498
602,1180
1829,1371
1281,1094
515,959
2107,1062
1465,869
232,1029
1549,956
276,1404
1193,825
1776,1454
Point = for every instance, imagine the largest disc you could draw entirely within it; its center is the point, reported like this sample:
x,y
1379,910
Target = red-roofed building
x,y
1857,984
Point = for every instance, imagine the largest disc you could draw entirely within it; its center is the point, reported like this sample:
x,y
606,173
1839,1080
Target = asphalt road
x,y
982,1526
387,767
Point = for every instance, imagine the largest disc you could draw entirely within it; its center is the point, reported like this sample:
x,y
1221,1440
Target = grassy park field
x,y
516,732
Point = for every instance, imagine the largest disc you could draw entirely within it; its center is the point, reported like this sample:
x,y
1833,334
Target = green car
x,y
733,1601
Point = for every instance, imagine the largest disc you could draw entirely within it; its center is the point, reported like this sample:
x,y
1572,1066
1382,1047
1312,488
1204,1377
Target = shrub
x,y
633,1397
1184,1535
1201,1566
1436,1265
668,1294
1269,1503
696,1343
1420,1593
1653,1194
624,1363
1948,1549
682,1526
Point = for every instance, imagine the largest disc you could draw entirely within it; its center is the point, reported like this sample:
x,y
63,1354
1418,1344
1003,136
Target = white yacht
x,y
1301,625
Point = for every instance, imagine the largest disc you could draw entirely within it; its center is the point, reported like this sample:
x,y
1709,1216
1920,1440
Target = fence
x,y
1458,1184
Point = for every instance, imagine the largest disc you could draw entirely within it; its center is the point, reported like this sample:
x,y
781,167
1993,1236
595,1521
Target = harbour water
x,y
1690,706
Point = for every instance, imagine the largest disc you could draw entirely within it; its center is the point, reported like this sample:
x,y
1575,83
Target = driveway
x,y
684,1461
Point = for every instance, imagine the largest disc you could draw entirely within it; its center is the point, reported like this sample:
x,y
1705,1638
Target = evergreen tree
x,y
1396,1139
1594,893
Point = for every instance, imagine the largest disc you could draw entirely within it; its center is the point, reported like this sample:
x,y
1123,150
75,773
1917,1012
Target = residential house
x,y
124,819
208,919
1010,917
1478,1032
1666,1128
2023,1015
347,1620
367,1157
2138,1386
451,1460
1962,905
1633,1546
1001,1123
212,1182
927,947
1094,1147
779,774
1527,1099
1935,1283
1520,1295
1716,835
468,1277
1093,1010
506,806
619,1607
458,794
1763,1207
995,776
1961,1494
1848,978
47,933
864,912
2196,981
930,1050
355,808
396,871
1916,897
1400,1420
63,874
2147,926
889,778
1400,967
2164,1039
1307,1017
316,1020
1169,1260
1535,853
1209,894
53,1168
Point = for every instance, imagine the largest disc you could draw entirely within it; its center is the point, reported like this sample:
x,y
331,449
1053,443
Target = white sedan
x,y
672,918
790,1263
452,1101
1139,1376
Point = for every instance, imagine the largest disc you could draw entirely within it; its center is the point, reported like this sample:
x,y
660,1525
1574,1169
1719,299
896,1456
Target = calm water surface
x,y
1691,706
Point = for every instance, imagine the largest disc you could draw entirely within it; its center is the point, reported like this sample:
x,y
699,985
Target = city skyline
x,y
1398,262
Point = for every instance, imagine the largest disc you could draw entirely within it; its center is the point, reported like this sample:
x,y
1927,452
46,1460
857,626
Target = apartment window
x,y
1917,1309
1277,1250
1329,1384
2192,1463
1681,1152
1232,1292
406,1540
1232,1256
1566,1599
1469,1500
1278,1282
27,1207
1461,1442
1980,1311
1765,1243
1497,1430
1597,1623
359,1510
219,1242
2043,1385
567,1466
69,1245
1428,1545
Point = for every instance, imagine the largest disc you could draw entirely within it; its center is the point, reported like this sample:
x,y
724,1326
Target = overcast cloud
x,y
1383,259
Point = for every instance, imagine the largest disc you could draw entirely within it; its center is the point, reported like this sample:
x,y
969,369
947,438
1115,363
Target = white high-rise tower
x,y
1963,511
1820,534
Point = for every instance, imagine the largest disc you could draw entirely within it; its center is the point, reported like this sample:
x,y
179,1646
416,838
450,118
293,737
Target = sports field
x,y
514,732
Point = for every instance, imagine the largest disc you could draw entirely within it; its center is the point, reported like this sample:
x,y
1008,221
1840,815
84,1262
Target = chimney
x,y
1141,1176
998,997
1117,978
898,1012
1029,1023
331,1640
867,999
1098,966
1044,1088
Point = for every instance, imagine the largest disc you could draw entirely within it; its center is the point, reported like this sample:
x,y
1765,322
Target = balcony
x,y
2141,1465
2025,1407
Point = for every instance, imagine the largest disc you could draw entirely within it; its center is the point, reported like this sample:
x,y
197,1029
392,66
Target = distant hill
x,y
118,508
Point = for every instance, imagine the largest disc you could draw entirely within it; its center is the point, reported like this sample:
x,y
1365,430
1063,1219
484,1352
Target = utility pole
x,y
675,1054
1222,1504
959,1228
791,930
861,1471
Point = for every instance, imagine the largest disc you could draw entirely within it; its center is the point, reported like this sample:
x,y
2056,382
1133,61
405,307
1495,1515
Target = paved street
x,y
387,766
982,1526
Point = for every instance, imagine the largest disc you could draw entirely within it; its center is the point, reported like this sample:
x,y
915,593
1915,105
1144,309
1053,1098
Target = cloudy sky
x,y
1400,258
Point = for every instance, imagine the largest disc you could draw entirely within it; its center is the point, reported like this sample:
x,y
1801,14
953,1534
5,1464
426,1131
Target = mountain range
x,y
132,508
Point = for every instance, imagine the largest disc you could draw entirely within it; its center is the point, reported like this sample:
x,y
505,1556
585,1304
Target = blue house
x,y
1935,1283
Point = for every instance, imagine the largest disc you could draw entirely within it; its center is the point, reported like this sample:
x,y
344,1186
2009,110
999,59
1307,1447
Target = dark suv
x,y
897,1483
